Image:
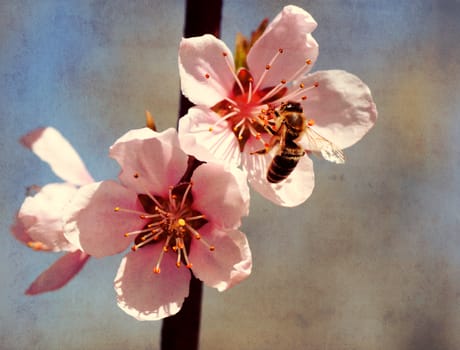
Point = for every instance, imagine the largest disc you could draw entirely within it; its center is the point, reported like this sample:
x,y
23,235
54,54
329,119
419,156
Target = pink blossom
x,y
39,220
235,104
170,217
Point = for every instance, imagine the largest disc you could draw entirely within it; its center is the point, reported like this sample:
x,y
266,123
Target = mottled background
x,y
370,261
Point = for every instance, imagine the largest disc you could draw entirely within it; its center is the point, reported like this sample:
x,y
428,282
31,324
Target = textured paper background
x,y
371,261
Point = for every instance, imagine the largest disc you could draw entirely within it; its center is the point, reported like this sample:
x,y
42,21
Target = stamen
x,y
232,70
249,98
184,197
197,236
178,250
191,218
187,261
273,91
239,124
298,93
220,120
35,245
255,133
172,198
142,214
267,68
240,133
301,70
157,269
127,234
153,235
146,191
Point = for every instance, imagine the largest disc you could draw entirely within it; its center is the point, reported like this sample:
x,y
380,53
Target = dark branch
x,y
182,331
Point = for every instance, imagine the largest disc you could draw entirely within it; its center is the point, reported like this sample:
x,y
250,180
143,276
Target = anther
x,y
156,270
136,175
280,50
301,85
311,122
267,67
304,97
308,61
283,81
316,84
224,54
207,76
36,245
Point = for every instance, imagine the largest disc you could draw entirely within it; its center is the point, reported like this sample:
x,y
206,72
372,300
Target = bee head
x,y
291,107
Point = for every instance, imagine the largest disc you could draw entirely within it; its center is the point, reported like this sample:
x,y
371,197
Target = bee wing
x,y
321,146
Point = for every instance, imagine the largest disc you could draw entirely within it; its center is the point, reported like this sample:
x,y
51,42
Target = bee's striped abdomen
x,y
283,164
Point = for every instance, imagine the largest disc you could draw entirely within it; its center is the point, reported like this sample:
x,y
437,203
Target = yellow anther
x,y
181,222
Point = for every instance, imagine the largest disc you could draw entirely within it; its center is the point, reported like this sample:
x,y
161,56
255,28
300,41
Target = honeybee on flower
x,y
271,69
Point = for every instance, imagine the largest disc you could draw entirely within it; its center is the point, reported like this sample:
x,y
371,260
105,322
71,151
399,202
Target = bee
x,y
287,126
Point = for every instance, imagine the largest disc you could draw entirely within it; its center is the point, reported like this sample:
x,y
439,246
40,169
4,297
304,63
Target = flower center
x,y
244,108
171,221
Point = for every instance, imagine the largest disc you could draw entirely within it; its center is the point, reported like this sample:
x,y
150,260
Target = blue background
x,y
370,261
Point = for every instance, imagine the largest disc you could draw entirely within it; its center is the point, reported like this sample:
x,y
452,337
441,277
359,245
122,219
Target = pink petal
x,y
290,31
51,147
221,193
195,137
156,157
59,274
228,264
19,231
41,216
342,106
148,296
204,74
91,223
291,192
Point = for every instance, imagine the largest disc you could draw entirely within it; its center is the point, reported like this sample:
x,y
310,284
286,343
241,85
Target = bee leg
x,y
273,141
